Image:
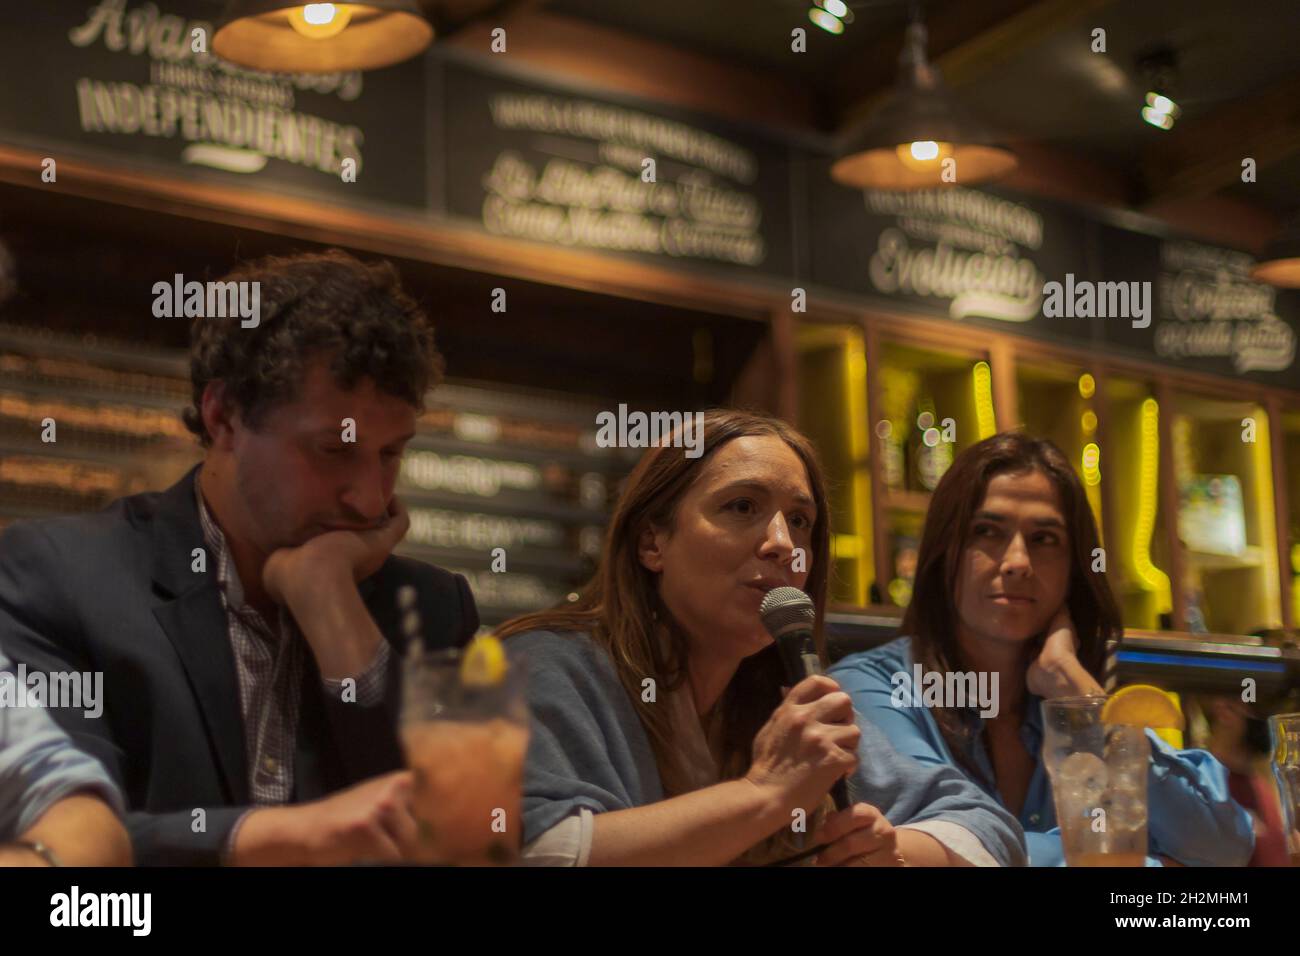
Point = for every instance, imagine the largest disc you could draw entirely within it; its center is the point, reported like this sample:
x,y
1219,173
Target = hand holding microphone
x,y
815,726
789,615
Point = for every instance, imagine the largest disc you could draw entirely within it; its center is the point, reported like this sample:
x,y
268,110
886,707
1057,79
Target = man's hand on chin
x,y
317,581
334,555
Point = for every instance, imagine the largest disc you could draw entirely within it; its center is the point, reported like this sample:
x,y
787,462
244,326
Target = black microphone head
x,y
786,610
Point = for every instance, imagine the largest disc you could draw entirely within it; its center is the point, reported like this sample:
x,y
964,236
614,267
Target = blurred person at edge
x,y
57,805
1004,584
245,619
716,764
1238,736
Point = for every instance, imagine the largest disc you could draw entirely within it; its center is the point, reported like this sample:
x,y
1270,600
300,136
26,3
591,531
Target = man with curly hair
x,y
245,620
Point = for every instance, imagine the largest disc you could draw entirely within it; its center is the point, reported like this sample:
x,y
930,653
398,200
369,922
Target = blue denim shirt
x,y
1192,818
40,766
589,749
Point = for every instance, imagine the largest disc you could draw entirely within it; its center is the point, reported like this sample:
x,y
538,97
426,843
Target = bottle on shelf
x,y
892,460
931,455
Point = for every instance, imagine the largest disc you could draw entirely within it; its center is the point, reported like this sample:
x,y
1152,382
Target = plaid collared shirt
x,y
269,666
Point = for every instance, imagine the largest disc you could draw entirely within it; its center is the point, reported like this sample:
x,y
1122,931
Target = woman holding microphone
x,y
661,732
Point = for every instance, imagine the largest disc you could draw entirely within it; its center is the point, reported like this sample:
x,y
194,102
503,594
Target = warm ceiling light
x,y
924,154
924,151
1280,264
277,37
918,117
826,20
320,21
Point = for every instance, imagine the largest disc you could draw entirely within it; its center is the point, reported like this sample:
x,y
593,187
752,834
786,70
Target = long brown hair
x,y
931,617
620,607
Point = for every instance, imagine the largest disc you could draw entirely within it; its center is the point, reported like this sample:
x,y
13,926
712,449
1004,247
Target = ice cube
x,y
1082,779
1127,748
1054,757
1128,779
1125,811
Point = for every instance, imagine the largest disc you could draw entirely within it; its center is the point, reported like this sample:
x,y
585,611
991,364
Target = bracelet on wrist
x,y
41,850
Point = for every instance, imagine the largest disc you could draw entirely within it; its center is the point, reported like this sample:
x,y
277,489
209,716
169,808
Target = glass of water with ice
x,y
1099,782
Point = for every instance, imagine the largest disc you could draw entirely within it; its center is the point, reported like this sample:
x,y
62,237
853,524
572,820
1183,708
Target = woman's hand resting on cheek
x,y
1056,671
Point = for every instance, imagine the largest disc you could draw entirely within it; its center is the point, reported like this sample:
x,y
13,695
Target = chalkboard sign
x,y
530,161
128,79
976,256
1034,267
1208,314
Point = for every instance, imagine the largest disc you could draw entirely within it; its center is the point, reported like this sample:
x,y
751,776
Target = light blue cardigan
x,y
589,749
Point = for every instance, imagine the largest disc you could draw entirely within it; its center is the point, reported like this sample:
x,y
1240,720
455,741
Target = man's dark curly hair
x,y
320,304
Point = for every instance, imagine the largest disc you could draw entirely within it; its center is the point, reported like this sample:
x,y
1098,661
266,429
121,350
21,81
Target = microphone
x,y
788,614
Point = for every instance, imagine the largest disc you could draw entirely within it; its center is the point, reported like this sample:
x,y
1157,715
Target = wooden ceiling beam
x,y
454,16
1068,175
1221,220
615,60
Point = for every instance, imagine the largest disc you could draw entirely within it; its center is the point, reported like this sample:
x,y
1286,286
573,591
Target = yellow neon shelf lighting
x,y
983,382
1151,577
1263,468
1091,463
855,358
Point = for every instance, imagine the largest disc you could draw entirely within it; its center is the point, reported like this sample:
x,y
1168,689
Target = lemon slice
x,y
484,662
1142,705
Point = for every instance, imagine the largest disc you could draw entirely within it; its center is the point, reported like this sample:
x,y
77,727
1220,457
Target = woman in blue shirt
x,y
1004,589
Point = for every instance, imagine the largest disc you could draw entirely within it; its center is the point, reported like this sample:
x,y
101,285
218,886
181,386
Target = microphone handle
x,y
799,655
840,794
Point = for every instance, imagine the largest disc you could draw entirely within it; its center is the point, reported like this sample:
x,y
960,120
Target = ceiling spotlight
x,y
1160,111
827,21
830,15
1159,68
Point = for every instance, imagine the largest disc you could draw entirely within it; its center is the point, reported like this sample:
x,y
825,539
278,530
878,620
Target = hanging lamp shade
x,y
277,37
904,143
1280,264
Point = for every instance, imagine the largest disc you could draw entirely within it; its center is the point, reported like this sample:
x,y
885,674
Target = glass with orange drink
x,y
464,730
